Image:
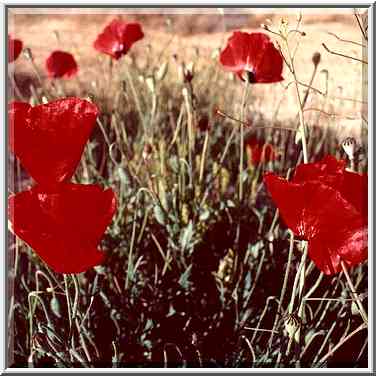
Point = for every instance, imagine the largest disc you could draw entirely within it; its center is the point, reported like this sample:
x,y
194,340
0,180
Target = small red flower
x,y
117,38
64,225
253,54
260,152
49,139
14,48
61,64
327,206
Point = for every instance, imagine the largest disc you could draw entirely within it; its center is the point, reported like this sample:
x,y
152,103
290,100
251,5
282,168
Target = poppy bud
x,y
90,97
293,323
147,152
354,306
188,72
188,76
225,180
203,123
27,53
185,214
316,58
226,267
349,146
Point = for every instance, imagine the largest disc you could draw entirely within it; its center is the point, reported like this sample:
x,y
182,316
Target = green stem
x,y
362,311
336,347
283,291
203,156
297,278
242,118
300,103
67,296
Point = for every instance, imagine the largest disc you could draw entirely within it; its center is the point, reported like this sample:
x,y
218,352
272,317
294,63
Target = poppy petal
x,y
49,139
349,245
254,53
61,64
327,170
326,205
355,190
269,66
14,48
332,172
117,38
311,208
63,225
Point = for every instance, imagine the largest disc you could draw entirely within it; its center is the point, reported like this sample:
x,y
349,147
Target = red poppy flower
x,y
14,48
64,225
117,38
319,205
254,54
49,139
61,64
260,152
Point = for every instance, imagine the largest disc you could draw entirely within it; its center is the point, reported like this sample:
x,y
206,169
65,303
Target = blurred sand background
x,y
188,32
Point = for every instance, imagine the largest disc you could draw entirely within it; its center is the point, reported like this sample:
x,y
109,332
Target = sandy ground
x,y
344,78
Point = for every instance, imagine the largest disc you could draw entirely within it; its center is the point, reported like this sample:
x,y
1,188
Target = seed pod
x,y
354,306
147,152
27,53
188,72
226,267
293,323
90,97
185,214
316,58
349,146
225,179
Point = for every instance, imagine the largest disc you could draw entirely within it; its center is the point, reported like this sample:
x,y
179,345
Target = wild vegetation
x,y
212,258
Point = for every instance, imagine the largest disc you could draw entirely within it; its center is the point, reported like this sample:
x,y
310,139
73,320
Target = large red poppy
x,y
253,54
326,205
64,225
61,64
49,139
14,48
117,38
260,152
